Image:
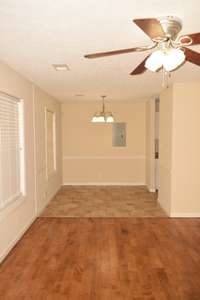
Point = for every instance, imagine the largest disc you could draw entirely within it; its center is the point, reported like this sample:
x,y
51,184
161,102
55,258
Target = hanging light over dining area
x,y
103,116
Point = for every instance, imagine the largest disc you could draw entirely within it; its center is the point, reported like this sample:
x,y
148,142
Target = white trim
x,y
167,212
14,109
152,190
35,151
17,238
53,112
105,157
22,148
184,215
106,183
4,94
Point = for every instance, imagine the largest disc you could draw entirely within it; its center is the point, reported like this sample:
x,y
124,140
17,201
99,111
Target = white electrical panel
x,y
119,134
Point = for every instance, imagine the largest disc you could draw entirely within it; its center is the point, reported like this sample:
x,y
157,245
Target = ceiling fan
x,y
170,50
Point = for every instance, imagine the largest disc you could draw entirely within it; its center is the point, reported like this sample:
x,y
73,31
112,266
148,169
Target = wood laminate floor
x,y
104,201
105,259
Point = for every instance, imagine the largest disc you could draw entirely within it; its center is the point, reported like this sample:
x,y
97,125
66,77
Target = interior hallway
x,y
105,258
104,201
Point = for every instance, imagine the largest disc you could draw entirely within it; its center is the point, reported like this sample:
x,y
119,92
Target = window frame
x,y
4,204
48,175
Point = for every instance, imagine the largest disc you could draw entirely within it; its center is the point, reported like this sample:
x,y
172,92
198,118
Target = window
x,y
50,142
11,149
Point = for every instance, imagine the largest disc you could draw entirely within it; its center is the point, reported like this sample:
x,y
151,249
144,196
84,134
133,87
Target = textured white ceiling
x,y
36,34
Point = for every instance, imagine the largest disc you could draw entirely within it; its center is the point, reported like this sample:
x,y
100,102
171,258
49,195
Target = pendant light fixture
x,y
103,116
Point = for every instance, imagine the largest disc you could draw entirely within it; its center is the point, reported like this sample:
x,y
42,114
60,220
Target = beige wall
x,y
186,150
179,150
165,148
88,155
150,145
17,217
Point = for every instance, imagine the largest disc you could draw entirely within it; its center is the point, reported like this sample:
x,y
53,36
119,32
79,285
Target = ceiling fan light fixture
x,y
170,59
155,61
163,32
173,59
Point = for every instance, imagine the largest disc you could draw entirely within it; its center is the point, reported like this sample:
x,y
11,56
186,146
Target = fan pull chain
x,y
165,79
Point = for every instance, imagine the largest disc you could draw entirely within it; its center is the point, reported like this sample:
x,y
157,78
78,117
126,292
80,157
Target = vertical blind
x,y
11,149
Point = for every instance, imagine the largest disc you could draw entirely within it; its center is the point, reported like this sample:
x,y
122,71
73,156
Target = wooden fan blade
x,y
192,56
194,36
151,27
109,53
140,68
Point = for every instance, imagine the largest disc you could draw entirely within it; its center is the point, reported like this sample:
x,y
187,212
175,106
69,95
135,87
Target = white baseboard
x,y
17,238
21,233
185,215
106,183
152,190
39,212
163,208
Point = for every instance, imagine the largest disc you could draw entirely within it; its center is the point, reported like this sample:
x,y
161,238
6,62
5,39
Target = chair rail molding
x,y
105,157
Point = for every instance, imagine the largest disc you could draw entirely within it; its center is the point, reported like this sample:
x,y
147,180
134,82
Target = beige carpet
x,y
104,201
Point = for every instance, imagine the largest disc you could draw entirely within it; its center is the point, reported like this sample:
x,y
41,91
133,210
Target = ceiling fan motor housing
x,y
171,26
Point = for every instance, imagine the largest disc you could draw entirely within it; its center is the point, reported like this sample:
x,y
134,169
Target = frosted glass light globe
x,y
94,119
155,61
101,119
173,59
110,119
